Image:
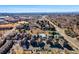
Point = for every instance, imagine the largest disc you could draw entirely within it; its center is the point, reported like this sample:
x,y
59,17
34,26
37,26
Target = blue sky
x,y
38,8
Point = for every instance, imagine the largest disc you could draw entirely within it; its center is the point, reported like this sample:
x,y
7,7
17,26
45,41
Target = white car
x,y
42,36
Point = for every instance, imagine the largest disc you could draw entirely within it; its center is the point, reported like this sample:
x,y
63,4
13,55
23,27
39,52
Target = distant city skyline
x,y
38,8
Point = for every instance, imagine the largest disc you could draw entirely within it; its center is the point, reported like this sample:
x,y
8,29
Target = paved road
x,y
73,41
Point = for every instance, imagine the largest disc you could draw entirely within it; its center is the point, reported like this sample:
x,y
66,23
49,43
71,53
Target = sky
x,y
38,8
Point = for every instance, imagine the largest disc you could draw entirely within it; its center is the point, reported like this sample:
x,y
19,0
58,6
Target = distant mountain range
x,y
42,13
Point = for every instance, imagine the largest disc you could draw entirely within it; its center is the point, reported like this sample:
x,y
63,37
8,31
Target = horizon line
x,y
39,12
